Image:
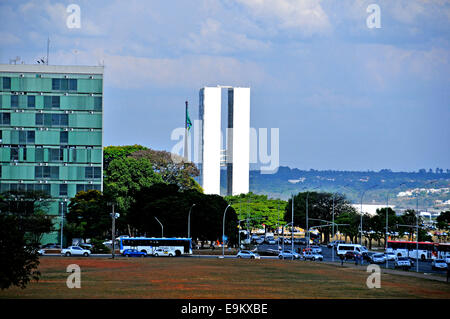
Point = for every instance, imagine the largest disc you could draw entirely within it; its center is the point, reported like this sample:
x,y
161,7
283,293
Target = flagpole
x,y
186,133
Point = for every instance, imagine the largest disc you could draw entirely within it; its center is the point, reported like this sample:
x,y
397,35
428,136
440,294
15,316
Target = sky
x,y
343,96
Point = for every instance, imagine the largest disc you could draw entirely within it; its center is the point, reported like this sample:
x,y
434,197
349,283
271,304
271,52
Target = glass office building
x,y
51,132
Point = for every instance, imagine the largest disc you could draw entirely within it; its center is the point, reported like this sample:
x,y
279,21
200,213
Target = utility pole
x,y
114,215
292,228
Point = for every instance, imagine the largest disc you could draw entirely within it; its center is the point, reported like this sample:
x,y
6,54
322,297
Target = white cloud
x,y
304,16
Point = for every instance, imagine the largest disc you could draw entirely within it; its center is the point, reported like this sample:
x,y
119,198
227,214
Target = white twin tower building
x,y
236,156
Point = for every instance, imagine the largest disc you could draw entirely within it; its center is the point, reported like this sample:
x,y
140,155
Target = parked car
x,y
447,259
75,251
310,255
270,240
133,253
438,264
41,252
390,256
402,262
85,246
351,255
334,243
163,252
316,249
378,258
302,241
247,254
288,254
51,246
259,240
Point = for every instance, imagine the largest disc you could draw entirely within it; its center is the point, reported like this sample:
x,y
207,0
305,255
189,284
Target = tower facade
x,y
51,132
237,153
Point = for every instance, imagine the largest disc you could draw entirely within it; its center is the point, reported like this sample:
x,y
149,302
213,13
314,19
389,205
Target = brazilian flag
x,y
188,121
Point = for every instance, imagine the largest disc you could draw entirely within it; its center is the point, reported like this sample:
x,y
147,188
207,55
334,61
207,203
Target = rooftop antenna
x,y
48,49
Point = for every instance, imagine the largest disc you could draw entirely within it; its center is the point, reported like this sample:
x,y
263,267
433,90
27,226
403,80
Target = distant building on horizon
x,y
51,132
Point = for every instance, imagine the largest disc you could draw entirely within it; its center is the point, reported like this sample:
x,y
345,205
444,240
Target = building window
x,y
31,101
24,153
14,101
5,118
14,153
64,137
56,155
92,172
51,102
62,189
64,84
25,137
98,103
51,172
39,155
6,83
52,119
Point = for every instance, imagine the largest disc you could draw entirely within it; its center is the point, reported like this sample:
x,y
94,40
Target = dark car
x,y
351,255
133,253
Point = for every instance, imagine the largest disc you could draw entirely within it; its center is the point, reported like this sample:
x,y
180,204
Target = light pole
x,y
292,228
189,221
223,232
62,224
114,216
239,232
162,227
282,232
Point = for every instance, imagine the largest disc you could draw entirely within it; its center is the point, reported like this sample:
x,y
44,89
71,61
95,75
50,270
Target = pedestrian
x,y
356,259
342,259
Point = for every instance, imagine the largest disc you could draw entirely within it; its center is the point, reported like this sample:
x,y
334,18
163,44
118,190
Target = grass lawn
x,y
217,278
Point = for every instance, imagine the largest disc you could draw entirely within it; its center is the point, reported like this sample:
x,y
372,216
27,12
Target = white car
x,y
378,258
447,259
247,254
402,262
288,254
163,252
75,251
390,256
439,264
312,255
270,240
316,249
41,252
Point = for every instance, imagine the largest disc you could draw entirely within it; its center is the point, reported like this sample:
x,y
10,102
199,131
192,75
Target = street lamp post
x,y
189,221
62,224
361,223
114,216
292,228
223,232
282,232
239,232
162,227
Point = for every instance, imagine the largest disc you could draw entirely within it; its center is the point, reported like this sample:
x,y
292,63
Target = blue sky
x,y
343,96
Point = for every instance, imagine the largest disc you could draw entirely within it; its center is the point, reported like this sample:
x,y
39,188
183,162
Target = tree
x,y
258,209
88,216
172,168
443,220
320,206
23,221
125,177
171,205
111,153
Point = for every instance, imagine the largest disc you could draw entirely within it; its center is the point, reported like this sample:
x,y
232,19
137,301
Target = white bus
x,y
179,246
343,248
427,250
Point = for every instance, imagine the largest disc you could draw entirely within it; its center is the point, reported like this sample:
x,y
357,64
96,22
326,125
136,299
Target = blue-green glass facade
x,y
51,132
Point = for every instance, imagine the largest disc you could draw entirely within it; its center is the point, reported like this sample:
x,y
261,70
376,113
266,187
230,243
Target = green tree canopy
x,y
258,210
88,216
172,168
320,206
443,220
111,153
127,176
171,206
23,221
